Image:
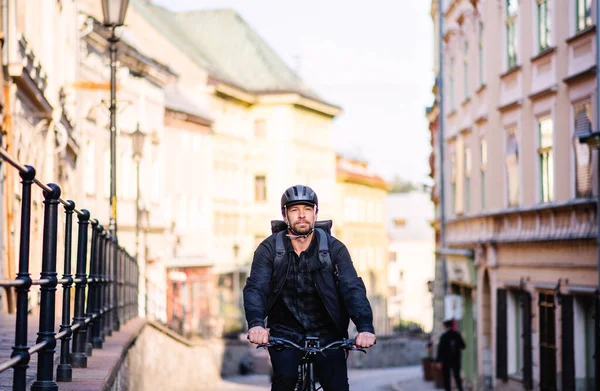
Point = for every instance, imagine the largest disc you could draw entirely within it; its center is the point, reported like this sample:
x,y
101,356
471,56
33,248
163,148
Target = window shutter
x,y
527,353
501,336
568,350
597,341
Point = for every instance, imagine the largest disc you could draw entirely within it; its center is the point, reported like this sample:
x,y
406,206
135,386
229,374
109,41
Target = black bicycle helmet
x,y
299,194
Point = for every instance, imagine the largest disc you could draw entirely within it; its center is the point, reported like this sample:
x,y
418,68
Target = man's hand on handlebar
x,y
258,335
365,340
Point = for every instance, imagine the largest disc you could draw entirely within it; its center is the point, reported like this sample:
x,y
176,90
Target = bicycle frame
x,y
306,380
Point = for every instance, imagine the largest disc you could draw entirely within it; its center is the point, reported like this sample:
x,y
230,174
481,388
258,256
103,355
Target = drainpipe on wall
x,y
597,353
441,147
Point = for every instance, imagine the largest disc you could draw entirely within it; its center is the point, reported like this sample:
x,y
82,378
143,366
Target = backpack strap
x,y
279,249
324,255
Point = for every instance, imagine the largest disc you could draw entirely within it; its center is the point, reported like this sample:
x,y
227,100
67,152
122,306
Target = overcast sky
x,y
374,59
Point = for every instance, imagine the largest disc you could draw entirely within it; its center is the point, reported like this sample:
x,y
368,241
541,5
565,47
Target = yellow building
x,y
360,223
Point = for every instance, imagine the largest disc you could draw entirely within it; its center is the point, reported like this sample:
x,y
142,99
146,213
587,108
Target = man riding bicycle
x,y
304,296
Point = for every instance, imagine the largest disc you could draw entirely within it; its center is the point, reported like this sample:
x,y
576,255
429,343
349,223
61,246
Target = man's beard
x,y
302,229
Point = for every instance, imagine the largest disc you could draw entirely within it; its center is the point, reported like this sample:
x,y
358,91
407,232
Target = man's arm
x,y
353,291
257,287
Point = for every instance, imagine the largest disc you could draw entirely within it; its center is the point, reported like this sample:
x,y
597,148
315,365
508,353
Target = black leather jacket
x,y
348,300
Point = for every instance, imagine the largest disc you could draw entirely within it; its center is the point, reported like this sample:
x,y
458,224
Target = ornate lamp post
x,y
114,16
137,146
137,143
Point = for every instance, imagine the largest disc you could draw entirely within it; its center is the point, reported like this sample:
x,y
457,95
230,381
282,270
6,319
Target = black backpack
x,y
322,228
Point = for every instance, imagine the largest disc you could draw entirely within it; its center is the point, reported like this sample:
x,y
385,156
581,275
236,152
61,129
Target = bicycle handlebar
x,y
347,344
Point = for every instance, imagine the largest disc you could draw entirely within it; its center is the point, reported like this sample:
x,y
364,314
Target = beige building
x,y
40,46
519,79
360,223
411,258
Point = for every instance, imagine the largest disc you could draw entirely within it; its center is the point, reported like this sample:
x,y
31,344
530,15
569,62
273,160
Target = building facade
x,y
40,49
360,223
268,131
412,258
519,81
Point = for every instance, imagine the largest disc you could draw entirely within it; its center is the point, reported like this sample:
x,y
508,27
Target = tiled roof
x,y
221,42
348,170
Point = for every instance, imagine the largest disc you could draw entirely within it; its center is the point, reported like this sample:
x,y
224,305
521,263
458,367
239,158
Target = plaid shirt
x,y
299,310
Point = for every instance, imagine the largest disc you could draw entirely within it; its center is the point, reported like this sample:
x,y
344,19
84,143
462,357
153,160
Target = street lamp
x,y
114,16
137,147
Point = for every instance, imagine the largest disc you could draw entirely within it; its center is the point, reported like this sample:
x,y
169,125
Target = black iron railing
x,y
104,299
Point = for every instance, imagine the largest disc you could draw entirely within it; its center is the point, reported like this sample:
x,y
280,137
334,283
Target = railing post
x,y
136,279
92,289
128,287
116,325
121,292
78,357
64,371
48,290
97,339
105,281
108,285
21,348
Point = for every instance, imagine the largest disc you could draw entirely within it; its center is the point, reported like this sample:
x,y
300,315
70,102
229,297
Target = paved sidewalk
x,y
101,364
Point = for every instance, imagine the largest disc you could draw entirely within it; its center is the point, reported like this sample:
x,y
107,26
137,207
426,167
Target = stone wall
x,y
389,351
161,360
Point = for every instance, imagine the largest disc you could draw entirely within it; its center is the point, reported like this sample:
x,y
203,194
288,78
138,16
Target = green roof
x,y
221,42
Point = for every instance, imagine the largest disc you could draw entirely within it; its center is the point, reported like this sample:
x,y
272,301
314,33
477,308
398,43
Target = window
x,y
467,173
512,10
514,334
583,14
260,188
483,147
260,128
543,25
546,160
512,168
583,154
451,90
157,178
453,182
480,52
392,256
107,173
466,70
90,168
